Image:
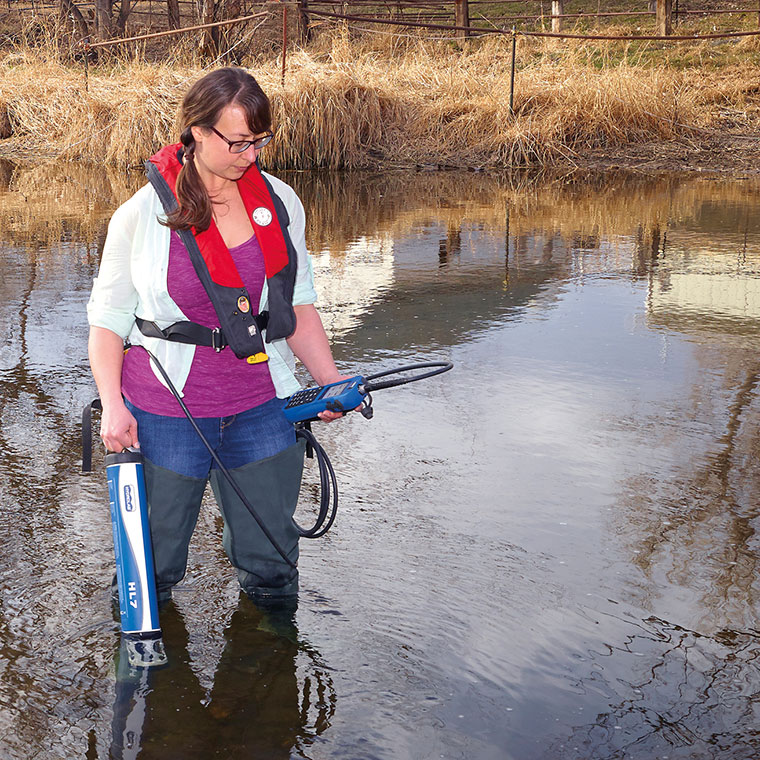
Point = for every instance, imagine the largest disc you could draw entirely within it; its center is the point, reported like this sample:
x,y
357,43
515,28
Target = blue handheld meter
x,y
345,395
342,396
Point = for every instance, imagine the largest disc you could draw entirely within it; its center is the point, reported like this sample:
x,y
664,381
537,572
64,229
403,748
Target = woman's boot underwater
x,y
271,486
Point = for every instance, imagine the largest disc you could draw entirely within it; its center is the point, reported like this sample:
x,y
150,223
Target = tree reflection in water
x,y
695,701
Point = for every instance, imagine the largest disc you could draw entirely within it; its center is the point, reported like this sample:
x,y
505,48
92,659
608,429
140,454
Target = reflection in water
x,y
552,552
696,694
256,708
703,532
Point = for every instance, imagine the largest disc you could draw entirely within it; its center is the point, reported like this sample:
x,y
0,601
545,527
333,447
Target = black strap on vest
x,y
282,318
192,333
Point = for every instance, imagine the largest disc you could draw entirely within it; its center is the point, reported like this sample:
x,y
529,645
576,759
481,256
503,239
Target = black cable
x,y
440,368
327,483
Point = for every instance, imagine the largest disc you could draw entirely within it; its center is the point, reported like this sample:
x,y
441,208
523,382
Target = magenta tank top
x,y
219,384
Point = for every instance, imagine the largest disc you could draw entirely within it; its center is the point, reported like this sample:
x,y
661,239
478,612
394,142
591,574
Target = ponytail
x,y
194,208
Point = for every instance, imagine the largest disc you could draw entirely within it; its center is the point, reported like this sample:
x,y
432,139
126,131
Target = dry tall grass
x,y
351,103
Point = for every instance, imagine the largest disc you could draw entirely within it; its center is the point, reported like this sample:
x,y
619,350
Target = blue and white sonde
x,y
138,604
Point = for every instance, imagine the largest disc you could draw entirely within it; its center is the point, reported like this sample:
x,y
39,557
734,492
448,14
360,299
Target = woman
x,y
195,311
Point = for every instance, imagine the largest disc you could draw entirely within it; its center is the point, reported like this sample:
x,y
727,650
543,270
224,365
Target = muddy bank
x,y
721,155
727,156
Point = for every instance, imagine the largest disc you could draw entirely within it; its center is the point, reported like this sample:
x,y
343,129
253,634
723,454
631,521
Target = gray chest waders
x,y
271,485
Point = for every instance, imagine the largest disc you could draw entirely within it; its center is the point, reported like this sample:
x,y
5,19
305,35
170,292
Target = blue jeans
x,y
172,443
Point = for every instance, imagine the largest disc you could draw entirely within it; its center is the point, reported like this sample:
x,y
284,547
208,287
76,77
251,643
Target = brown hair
x,y
202,107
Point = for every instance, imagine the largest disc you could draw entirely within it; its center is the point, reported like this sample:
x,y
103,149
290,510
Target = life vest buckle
x,y
216,339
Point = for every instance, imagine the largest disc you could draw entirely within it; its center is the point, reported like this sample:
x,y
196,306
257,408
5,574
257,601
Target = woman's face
x,y
213,158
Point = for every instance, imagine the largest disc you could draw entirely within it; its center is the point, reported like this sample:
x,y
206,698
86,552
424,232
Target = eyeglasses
x,y
240,146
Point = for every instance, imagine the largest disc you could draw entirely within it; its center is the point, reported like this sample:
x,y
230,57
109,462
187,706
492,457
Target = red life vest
x,y
216,268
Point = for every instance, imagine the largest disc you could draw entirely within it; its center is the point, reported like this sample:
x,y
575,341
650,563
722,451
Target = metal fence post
x,y
512,76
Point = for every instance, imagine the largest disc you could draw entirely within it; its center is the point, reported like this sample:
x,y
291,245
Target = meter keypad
x,y
303,397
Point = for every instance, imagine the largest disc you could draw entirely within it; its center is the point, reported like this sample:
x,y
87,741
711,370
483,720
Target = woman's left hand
x,y
309,343
327,415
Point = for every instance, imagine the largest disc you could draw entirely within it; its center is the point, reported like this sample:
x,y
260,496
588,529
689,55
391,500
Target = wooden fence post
x,y
304,31
664,17
172,9
206,16
103,19
121,21
284,39
462,16
557,10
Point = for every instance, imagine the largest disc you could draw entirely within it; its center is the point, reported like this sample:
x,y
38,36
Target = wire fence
x,y
104,23
283,22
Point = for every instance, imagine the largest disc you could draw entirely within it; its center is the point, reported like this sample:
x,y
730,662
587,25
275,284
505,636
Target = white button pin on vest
x,y
262,216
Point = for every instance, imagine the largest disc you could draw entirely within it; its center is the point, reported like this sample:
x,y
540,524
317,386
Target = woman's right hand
x,y
118,428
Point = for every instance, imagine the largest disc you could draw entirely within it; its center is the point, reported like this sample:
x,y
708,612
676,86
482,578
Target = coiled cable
x,y
328,486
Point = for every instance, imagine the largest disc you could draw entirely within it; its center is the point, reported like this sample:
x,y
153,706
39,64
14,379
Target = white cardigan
x,y
132,281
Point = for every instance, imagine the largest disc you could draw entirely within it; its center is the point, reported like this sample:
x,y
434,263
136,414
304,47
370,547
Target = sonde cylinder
x,y
131,539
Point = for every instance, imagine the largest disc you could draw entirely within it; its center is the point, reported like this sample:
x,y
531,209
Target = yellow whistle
x,y
257,358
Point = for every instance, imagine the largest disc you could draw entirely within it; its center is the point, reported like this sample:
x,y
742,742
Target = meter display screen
x,y
336,390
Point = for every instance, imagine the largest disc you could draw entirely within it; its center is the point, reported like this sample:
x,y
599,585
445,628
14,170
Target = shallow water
x,y
549,552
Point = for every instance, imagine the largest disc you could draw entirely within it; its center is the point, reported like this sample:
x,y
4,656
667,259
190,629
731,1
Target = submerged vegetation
x,y
392,100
